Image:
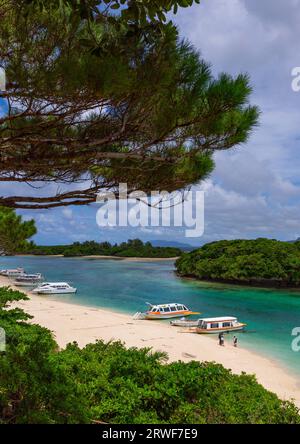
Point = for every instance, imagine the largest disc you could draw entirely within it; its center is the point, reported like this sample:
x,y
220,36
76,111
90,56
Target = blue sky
x,y
255,189
2,106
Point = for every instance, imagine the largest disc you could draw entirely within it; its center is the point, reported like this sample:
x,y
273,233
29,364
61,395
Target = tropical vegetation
x,y
260,261
39,383
14,232
131,248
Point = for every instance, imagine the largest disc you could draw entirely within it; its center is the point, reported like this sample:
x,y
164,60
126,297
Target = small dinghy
x,y
184,323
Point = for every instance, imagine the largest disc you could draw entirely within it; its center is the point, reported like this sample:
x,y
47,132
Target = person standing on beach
x,y
221,339
235,341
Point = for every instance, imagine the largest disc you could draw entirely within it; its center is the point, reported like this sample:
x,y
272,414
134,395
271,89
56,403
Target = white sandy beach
x,y
71,322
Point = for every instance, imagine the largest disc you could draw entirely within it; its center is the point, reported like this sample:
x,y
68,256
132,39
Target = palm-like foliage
x,y
14,232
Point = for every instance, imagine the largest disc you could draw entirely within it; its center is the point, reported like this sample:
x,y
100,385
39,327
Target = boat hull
x,y
173,315
26,284
69,291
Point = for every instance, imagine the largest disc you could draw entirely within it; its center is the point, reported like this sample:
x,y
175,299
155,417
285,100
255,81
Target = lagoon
x,y
125,286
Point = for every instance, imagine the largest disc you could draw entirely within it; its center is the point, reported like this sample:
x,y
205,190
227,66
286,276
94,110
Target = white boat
x,y
184,323
54,288
218,325
13,272
28,280
164,311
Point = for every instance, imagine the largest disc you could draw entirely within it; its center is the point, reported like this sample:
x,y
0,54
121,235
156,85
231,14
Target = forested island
x,y
259,262
131,248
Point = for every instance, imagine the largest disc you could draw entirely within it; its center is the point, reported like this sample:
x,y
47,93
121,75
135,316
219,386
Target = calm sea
x,y
125,286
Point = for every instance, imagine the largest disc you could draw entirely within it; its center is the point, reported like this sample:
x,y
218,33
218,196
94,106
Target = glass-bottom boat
x,y
164,311
218,325
13,272
28,280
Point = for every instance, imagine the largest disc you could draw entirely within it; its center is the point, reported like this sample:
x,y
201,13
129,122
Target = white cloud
x,y
67,212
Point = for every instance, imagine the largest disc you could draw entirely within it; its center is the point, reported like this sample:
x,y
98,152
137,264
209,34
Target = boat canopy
x,y
168,307
220,319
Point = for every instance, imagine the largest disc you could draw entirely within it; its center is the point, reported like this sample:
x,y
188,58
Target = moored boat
x,y
54,288
28,280
13,272
164,311
218,325
184,323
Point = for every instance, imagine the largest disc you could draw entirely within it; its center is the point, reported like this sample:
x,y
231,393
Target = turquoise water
x,y
126,286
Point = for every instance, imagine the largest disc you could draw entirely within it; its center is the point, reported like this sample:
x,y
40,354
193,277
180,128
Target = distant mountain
x,y
182,246
296,240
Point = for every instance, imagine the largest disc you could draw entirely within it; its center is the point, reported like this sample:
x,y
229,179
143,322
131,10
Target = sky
x,y
254,190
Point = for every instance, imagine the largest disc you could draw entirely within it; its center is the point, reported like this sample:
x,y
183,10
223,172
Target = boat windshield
x,y
202,324
168,308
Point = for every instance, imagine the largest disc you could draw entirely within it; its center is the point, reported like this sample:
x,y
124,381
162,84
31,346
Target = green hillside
x,y
261,262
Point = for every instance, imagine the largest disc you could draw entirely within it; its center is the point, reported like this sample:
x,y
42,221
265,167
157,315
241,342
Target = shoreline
x,y
263,283
84,324
227,284
98,256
